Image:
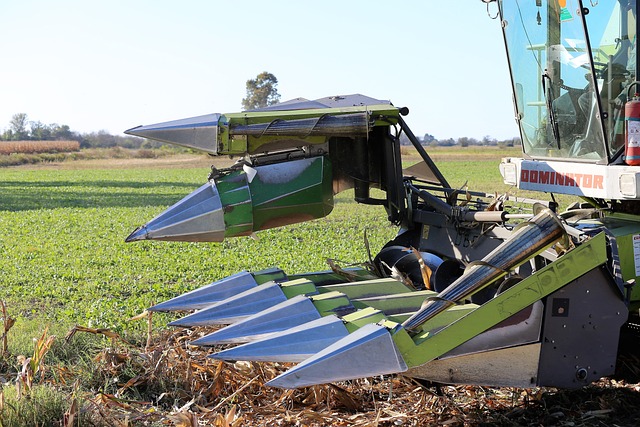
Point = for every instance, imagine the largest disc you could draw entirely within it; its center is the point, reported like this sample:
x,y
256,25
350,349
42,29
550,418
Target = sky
x,y
115,64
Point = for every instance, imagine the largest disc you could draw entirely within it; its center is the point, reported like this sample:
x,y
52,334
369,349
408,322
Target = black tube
x,y
431,200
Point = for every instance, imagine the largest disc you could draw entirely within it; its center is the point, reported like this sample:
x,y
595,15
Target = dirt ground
x,y
228,394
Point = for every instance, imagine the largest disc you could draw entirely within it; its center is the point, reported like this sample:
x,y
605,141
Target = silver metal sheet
x,y
280,317
235,308
521,328
207,295
340,101
367,352
508,367
200,133
197,217
293,345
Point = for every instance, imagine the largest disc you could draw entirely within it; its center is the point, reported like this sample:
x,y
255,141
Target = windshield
x,y
569,104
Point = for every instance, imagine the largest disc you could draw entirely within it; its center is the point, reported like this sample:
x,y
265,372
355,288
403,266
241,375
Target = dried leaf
x,y
231,415
142,315
183,420
244,367
401,277
424,269
99,331
338,270
70,414
346,399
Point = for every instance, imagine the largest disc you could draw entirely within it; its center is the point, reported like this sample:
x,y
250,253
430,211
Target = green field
x,y
64,262
64,259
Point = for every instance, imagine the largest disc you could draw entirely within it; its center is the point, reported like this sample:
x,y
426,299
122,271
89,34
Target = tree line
x,y
22,129
465,141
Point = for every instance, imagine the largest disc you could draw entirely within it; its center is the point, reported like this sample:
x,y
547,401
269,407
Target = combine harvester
x,y
467,292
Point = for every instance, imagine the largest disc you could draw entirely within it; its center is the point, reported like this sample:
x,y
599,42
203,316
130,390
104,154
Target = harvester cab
x,y
491,290
573,70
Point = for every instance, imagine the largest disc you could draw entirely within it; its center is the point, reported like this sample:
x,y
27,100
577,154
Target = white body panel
x,y
580,179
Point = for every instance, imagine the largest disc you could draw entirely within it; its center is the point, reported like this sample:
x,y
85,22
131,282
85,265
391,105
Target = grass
x,y
45,407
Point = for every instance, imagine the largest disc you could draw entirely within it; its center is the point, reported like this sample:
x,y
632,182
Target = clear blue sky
x,y
113,65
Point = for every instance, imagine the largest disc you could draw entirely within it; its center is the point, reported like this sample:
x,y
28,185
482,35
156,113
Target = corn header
x,y
468,291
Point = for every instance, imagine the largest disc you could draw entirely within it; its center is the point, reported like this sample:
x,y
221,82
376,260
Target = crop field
x,y
30,147
65,260
64,263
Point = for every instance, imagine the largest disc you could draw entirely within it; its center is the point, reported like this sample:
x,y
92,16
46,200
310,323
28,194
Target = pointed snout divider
x,y
247,303
207,295
287,314
200,132
369,351
235,308
197,217
292,345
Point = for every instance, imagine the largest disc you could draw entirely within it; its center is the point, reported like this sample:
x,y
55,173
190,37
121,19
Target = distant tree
x,y
103,139
62,132
427,139
261,92
463,141
7,135
510,142
488,140
39,131
18,126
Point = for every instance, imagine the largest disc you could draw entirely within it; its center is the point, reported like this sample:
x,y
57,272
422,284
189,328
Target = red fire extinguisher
x,y
632,131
